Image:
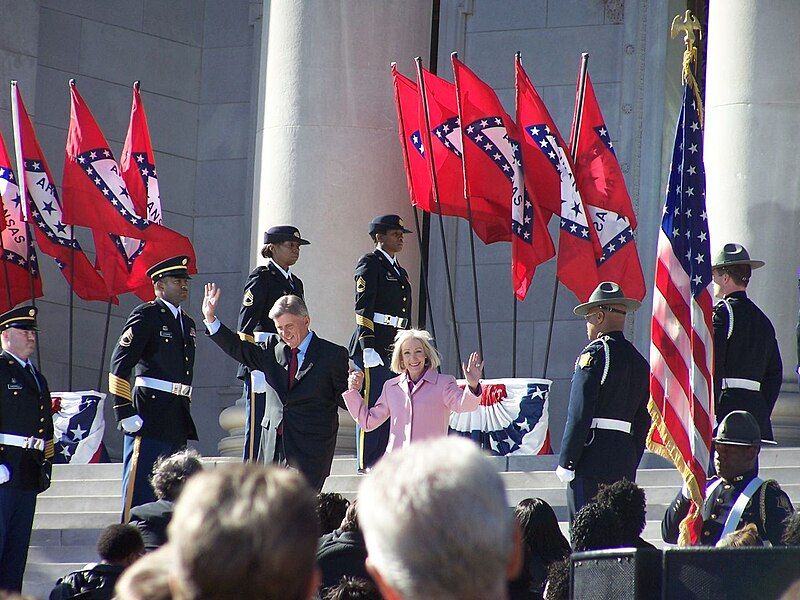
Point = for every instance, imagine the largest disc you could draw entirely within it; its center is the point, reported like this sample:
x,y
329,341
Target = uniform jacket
x,y
767,509
152,345
380,288
264,286
611,381
310,408
25,410
415,412
745,348
151,519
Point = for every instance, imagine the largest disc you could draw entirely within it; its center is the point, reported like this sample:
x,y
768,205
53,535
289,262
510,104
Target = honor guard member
x,y
383,305
607,418
264,286
738,496
26,441
158,345
747,363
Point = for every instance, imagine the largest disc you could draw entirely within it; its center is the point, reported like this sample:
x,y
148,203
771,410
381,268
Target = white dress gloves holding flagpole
x,y
131,424
565,475
372,358
5,474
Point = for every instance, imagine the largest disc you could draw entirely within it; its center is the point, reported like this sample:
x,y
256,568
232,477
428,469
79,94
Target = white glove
x,y
131,424
372,358
258,382
5,474
565,475
685,491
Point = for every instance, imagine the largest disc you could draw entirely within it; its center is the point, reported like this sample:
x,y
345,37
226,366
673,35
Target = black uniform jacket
x,y
152,345
264,286
151,519
768,508
611,381
25,410
380,288
745,348
310,408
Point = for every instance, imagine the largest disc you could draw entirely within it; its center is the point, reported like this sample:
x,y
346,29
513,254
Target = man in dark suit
x,y
264,286
157,344
26,441
382,307
607,418
308,373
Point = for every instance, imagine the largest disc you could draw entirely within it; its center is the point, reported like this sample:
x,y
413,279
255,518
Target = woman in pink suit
x,y
419,400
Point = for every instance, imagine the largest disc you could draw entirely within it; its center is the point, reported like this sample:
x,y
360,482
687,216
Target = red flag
x,y
125,260
603,189
18,268
549,172
43,208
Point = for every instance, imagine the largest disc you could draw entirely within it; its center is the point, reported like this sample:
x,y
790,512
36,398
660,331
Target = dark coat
x,y
310,408
151,519
745,347
152,345
25,410
96,583
382,289
611,381
342,553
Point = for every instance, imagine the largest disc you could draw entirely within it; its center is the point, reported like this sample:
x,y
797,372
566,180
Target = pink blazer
x,y
414,414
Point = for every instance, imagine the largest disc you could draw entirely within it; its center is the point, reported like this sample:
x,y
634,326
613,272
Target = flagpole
x,y
30,279
423,256
435,189
514,337
5,271
577,117
454,55
103,351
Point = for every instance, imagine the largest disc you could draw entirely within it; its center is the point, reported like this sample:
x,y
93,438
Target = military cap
x,y
734,254
23,317
740,428
283,233
607,293
177,266
386,223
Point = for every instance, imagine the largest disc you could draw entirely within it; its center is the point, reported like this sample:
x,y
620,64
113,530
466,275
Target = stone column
x,y
753,182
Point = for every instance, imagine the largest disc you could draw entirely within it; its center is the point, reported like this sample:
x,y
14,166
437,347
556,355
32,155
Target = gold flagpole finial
x,y
688,26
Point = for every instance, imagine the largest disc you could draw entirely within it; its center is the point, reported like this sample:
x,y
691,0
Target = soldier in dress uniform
x,y
264,286
26,441
158,345
382,306
747,362
607,419
738,496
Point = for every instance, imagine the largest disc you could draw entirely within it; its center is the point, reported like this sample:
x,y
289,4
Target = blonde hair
x,y
432,357
745,536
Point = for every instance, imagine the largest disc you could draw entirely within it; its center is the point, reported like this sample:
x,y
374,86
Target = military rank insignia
x,y
126,338
584,360
361,285
248,298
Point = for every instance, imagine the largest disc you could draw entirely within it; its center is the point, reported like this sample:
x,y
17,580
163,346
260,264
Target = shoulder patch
x,y
126,339
585,360
248,298
361,285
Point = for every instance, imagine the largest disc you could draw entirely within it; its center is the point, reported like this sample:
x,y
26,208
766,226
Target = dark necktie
x,y
293,366
32,373
290,282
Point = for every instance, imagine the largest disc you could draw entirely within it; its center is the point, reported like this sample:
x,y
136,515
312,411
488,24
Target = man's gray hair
x,y
436,521
171,472
288,304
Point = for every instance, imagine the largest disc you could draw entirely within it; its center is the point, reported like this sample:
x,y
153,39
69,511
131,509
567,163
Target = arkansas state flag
x,y
605,195
18,269
125,260
43,208
549,173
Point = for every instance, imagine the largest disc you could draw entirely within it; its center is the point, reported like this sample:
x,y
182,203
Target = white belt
x,y
391,320
178,389
614,424
20,441
742,384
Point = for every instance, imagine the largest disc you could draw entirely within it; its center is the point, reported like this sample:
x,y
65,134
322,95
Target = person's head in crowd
x,y
171,472
353,588
331,508
350,521
261,519
18,331
745,536
291,318
629,502
540,530
387,232
413,352
793,592
737,445
596,526
120,545
791,535
436,524
557,586
149,577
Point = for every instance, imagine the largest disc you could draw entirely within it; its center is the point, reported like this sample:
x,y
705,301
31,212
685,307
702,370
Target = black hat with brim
x,y
177,266
283,233
740,428
23,317
386,223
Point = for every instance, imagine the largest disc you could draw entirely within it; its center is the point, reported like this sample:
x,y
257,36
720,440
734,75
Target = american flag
x,y
681,350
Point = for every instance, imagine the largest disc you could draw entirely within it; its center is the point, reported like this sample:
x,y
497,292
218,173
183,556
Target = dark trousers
x,y
16,520
254,405
149,451
371,445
